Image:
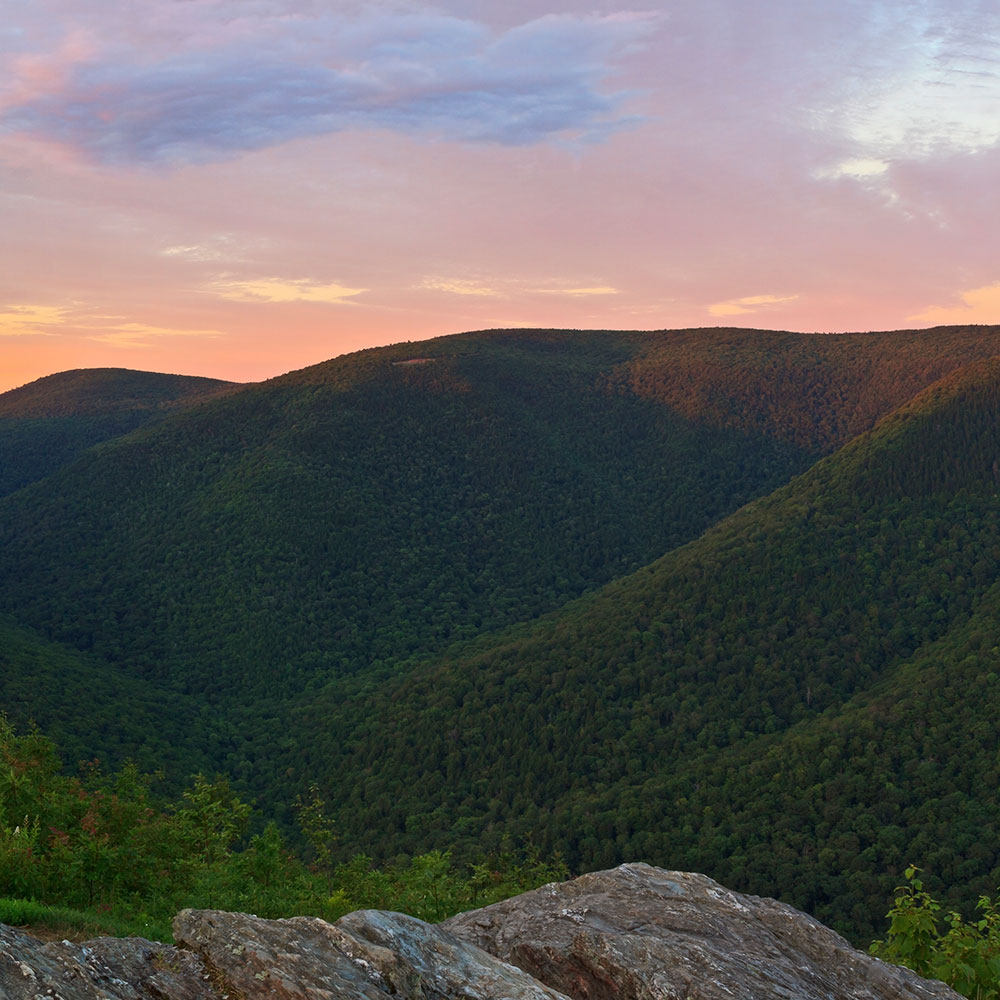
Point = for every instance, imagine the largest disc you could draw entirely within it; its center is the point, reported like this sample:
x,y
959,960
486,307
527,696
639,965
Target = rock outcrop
x,y
641,933
103,969
633,933
368,954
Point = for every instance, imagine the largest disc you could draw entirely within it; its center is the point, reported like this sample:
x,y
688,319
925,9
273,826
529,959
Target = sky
x,y
239,188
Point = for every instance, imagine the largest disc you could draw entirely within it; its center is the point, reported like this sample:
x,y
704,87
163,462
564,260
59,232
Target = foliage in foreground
x,y
98,854
965,954
59,922
101,852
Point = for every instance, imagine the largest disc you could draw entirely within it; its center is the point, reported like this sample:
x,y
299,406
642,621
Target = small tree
x,y
214,818
318,829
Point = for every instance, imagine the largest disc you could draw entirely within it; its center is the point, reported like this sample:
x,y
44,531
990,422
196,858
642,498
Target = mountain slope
x,y
49,422
84,703
300,555
367,510
630,723
100,391
816,391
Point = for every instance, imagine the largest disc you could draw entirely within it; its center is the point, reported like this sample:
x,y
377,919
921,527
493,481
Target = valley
x,y
717,600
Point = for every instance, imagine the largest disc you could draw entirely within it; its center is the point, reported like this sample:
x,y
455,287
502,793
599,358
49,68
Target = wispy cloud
x,y
918,83
220,248
461,286
30,321
47,321
579,292
191,252
945,99
282,290
143,335
860,168
511,286
262,80
978,305
748,304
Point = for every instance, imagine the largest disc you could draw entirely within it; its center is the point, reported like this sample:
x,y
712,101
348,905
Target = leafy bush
x,y
431,887
964,954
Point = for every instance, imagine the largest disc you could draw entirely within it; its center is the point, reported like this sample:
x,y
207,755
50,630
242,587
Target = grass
x,y
57,922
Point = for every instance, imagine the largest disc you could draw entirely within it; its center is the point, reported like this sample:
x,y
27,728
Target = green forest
x,y
48,423
719,600
101,852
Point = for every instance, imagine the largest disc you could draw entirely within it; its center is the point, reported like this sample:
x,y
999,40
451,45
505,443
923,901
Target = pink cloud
x,y
414,73
438,158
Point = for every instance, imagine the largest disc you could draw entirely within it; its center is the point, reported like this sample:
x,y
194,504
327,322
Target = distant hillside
x,y
49,422
100,391
815,391
368,510
361,573
745,705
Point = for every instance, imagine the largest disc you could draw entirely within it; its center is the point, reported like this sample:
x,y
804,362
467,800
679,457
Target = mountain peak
x,y
89,391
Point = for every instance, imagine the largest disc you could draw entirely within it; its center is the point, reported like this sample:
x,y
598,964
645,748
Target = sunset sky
x,y
238,188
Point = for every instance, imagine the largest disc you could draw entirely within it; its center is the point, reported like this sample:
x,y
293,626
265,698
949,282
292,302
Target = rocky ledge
x,y
633,933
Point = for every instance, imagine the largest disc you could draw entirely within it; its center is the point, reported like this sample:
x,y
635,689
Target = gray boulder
x,y
103,969
369,954
642,933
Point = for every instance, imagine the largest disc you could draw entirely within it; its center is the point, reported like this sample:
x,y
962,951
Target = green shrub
x,y
964,954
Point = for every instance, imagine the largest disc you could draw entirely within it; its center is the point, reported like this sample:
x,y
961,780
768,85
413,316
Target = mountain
x,y
799,700
100,391
817,391
367,510
589,587
49,422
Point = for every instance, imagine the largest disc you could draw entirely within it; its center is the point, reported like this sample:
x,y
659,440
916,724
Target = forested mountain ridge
x,y
90,705
817,391
383,504
367,510
49,422
299,556
747,675
99,391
